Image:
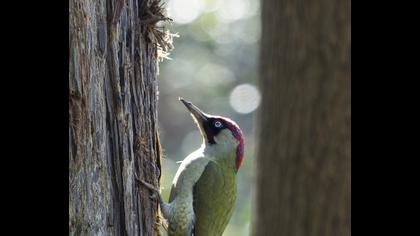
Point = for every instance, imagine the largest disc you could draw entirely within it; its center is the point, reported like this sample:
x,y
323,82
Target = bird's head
x,y
219,132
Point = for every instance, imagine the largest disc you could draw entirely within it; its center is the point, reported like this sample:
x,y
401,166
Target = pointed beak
x,y
200,117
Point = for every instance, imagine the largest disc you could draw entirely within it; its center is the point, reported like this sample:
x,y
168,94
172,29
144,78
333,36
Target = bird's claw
x,y
147,185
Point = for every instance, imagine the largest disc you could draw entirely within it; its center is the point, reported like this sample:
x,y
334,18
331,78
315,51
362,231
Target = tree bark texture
x,y
113,131
304,158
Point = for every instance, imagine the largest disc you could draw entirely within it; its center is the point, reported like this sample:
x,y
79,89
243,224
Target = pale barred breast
x,y
183,219
182,200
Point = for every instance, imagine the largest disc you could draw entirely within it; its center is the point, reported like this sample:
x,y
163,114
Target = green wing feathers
x,y
214,200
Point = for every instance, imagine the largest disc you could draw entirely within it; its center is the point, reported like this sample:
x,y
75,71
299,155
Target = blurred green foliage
x,y
217,51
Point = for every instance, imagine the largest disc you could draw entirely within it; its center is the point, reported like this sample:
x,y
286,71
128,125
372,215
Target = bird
x,y
203,192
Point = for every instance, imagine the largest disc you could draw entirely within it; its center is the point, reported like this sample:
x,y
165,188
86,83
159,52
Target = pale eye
x,y
218,124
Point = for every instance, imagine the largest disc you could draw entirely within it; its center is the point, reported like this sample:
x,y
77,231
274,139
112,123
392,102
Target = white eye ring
x,y
218,124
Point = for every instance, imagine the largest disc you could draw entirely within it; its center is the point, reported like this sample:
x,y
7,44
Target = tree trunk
x,y
303,174
113,117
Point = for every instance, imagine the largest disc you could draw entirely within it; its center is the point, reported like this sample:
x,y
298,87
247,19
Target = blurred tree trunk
x,y
303,173
113,133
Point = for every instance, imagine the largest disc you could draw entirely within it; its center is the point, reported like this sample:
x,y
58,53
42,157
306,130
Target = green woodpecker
x,y
203,192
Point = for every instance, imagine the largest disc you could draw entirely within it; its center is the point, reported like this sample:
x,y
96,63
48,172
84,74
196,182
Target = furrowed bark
x,y
304,156
113,130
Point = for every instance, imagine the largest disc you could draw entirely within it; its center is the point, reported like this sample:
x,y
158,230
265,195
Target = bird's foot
x,y
150,187
156,196
156,192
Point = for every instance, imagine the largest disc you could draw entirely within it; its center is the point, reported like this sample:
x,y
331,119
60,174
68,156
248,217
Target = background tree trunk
x,y
113,118
303,173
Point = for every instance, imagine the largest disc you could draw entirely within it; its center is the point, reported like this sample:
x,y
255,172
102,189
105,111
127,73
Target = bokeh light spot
x,y
233,10
185,11
245,98
213,5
